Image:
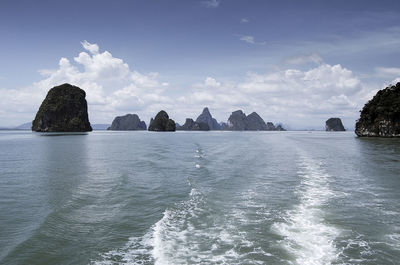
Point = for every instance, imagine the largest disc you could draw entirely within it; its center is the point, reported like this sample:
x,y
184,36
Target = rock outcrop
x,y
162,123
191,125
380,117
255,123
63,110
205,117
129,122
238,121
334,125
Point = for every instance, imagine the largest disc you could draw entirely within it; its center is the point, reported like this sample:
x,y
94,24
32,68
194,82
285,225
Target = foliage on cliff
x,y
63,110
381,115
162,123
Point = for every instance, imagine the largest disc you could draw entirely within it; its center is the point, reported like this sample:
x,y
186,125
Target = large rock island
x,y
238,121
63,110
334,125
129,122
380,117
162,123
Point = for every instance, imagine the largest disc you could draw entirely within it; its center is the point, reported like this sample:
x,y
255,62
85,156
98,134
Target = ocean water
x,y
199,198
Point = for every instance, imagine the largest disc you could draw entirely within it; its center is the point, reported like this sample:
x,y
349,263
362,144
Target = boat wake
x,y
187,234
190,232
306,234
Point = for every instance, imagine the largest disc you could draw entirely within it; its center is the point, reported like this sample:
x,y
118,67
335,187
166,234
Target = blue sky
x,y
314,59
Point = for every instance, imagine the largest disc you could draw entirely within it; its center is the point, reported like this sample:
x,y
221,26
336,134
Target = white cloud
x,y
387,71
395,81
92,48
211,3
111,87
244,20
211,82
291,96
249,39
305,58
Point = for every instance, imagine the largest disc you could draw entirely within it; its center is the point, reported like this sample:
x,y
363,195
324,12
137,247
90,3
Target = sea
x,y
138,197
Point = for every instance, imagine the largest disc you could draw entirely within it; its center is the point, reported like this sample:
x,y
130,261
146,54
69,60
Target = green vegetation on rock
x,y
162,123
63,110
380,117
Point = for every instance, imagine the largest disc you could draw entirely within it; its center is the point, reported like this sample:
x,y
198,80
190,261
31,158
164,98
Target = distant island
x,y
65,110
334,125
206,117
162,123
380,117
238,121
129,122
191,125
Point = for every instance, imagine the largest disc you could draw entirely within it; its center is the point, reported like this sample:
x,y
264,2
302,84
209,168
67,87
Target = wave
x,y
307,236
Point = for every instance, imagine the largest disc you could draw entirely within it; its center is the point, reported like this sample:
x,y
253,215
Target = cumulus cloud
x,y
291,96
211,3
111,86
92,48
211,82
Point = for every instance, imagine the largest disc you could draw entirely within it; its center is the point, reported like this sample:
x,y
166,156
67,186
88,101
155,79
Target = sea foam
x,y
306,234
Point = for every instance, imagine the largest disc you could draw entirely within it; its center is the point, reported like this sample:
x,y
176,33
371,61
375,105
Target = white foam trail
x,y
164,243
191,232
188,234
306,234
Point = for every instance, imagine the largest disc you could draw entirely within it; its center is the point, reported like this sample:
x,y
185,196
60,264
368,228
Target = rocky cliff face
x,y
380,117
334,125
238,121
129,122
205,117
63,110
162,123
255,123
191,125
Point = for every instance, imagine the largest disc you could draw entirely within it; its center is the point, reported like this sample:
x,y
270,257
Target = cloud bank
x,y
299,98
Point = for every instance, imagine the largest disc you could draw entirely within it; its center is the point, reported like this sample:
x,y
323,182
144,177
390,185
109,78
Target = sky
x,y
293,62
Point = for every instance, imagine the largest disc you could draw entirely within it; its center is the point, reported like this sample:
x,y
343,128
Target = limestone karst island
x,y
65,110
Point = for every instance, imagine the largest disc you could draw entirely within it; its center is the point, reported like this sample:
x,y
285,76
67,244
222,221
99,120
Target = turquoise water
x,y
199,198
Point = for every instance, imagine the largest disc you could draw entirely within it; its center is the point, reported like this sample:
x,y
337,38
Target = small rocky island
x,y
334,125
238,121
162,123
129,122
63,110
191,125
380,117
